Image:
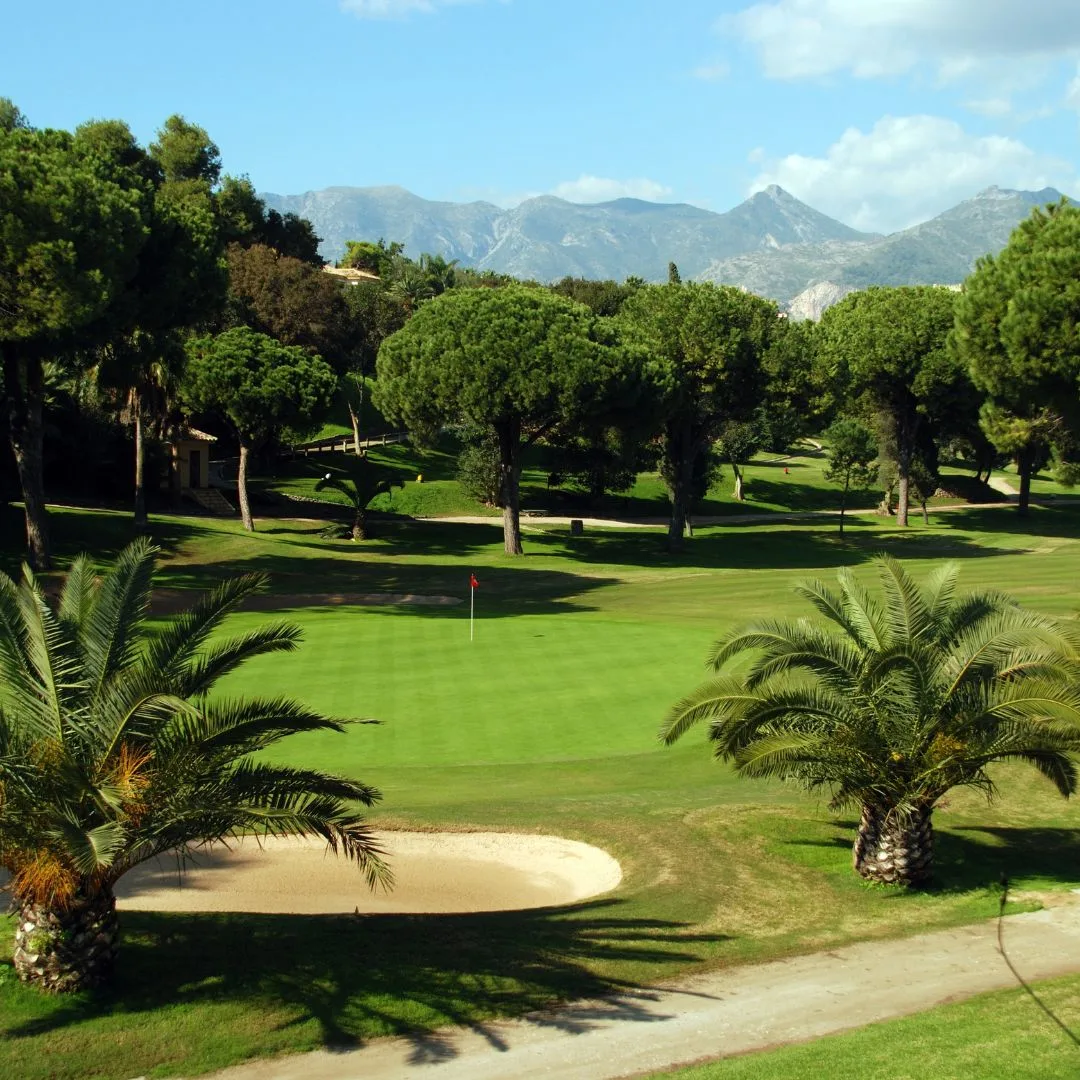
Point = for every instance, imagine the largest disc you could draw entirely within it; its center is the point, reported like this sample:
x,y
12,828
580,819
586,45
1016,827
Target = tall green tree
x,y
892,704
76,213
852,450
113,751
708,343
258,386
180,284
1017,331
360,481
891,344
515,362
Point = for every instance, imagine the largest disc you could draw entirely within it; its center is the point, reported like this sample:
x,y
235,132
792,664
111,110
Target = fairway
x,y
545,723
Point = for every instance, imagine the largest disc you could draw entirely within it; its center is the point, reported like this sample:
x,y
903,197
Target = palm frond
x,y
111,631
77,596
905,607
940,592
218,660
862,612
172,649
714,699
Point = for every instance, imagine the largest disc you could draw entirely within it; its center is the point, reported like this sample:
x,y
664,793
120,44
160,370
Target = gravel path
x,y
715,1015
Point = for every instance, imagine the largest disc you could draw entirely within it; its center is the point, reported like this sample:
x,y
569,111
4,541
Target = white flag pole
x,y
472,606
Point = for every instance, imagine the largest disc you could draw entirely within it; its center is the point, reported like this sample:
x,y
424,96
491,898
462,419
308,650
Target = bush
x,y
478,470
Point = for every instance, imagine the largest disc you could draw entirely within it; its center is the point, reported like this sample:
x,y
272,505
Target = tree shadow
x,y
407,975
748,546
438,590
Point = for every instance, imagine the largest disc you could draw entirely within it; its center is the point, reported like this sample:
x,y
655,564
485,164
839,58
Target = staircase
x,y
212,501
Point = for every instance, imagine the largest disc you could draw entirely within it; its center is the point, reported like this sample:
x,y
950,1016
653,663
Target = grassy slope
x,y
999,1036
545,722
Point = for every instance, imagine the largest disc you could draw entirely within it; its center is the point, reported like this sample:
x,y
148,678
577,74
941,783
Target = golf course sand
x,y
433,873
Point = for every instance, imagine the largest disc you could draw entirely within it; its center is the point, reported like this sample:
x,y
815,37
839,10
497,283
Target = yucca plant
x,y
900,700
111,752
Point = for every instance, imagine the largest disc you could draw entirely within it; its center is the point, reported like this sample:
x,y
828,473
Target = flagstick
x,y
472,608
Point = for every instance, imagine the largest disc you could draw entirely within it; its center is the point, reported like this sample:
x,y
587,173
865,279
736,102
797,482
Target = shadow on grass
x,y
749,547
359,976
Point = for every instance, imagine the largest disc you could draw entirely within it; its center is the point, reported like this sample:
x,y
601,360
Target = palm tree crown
x,y
903,699
112,752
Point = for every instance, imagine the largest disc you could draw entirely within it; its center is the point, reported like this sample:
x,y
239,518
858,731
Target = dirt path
x,y
715,1015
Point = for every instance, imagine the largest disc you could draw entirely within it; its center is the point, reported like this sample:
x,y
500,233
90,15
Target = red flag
x,y
473,583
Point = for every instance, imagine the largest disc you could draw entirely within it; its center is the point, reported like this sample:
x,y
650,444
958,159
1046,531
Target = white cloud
x,y
873,38
909,168
396,9
1072,92
594,189
712,72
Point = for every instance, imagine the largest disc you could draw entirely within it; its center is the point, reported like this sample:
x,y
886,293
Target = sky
x,y
880,113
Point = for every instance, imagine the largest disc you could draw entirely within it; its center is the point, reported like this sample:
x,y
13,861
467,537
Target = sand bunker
x,y
434,872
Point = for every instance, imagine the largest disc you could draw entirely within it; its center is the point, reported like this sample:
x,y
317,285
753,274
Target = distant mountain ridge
x,y
771,244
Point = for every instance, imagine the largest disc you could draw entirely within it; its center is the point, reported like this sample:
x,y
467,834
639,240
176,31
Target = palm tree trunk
x,y
893,848
359,525
241,489
65,950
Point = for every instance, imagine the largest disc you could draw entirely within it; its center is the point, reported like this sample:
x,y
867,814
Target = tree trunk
x,y
355,419
241,489
1024,466
140,464
738,482
894,849
359,525
843,503
23,383
63,951
903,485
681,462
509,485
925,512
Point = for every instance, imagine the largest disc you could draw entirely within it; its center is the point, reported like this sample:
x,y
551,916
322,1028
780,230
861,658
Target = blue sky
x,y
879,112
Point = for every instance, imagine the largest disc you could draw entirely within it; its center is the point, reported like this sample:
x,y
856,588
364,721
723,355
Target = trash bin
x,y
577,527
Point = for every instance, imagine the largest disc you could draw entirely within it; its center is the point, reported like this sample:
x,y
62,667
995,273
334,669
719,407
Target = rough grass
x,y
1000,1036
546,722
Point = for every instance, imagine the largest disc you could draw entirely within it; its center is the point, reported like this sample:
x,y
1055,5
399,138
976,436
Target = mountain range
x,y
771,244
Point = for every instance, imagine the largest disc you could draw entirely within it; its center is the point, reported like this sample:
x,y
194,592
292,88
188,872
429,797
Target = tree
x,y
478,472
736,444
800,395
515,362
76,215
600,297
707,344
113,751
360,481
891,343
374,258
1016,332
892,706
259,386
851,449
290,300
246,221
179,285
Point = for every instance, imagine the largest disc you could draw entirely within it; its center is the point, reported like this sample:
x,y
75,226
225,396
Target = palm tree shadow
x,y
405,975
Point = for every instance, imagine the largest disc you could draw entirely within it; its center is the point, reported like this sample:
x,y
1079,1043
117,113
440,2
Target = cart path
x,y
717,1014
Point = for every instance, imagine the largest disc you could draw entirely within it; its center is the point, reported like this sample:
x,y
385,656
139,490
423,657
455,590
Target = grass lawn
x,y
546,722
999,1036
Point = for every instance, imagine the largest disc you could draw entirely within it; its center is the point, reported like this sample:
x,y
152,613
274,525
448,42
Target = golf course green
x,y
546,721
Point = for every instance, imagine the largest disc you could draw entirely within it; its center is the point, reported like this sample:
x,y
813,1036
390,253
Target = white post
x,y
472,608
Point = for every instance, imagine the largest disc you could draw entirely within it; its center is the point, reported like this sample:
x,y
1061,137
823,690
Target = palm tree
x,y
916,694
360,484
112,752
